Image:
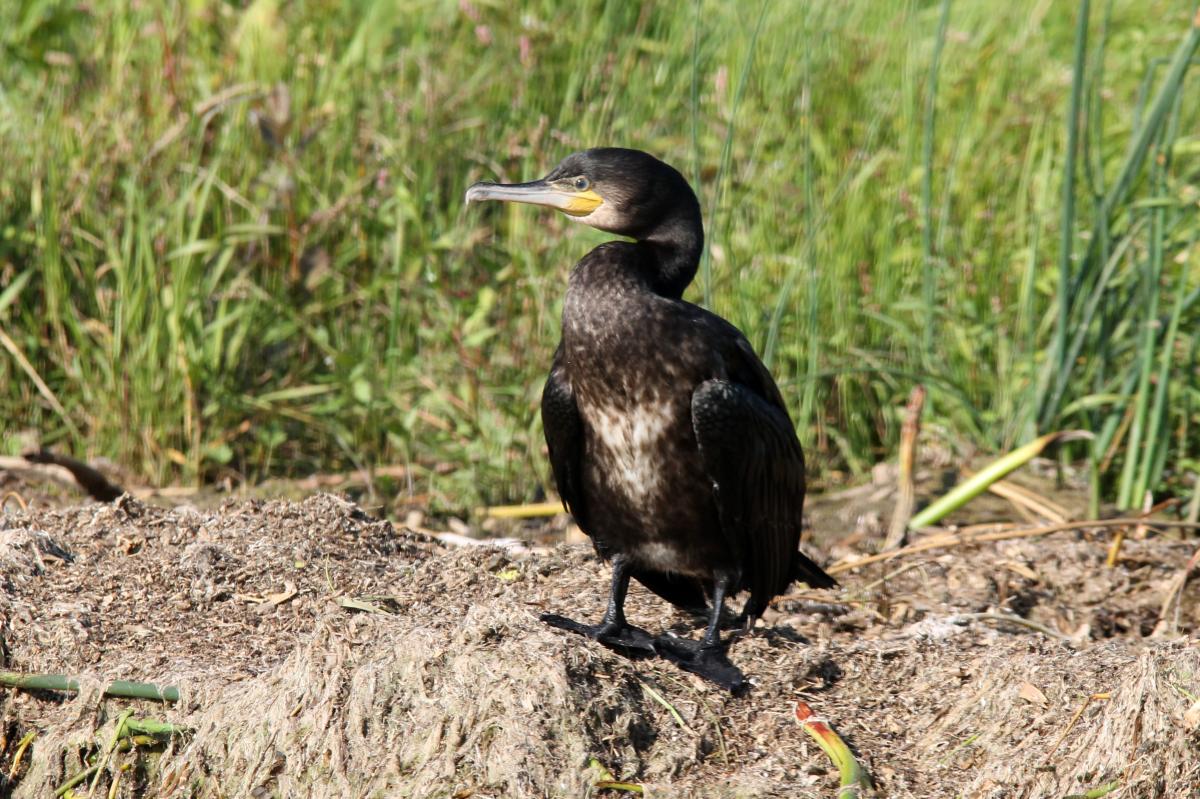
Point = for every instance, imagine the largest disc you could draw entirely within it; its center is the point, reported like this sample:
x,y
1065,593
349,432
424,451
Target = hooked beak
x,y
538,192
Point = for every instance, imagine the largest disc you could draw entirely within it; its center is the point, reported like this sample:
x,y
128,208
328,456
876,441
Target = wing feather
x,y
564,438
753,457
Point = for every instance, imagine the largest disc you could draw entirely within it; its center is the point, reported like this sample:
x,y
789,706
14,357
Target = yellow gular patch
x,y
583,203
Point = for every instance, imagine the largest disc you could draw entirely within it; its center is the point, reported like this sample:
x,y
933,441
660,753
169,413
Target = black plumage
x,y
669,440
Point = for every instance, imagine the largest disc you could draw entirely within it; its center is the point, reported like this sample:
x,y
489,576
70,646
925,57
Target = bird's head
x,y
627,192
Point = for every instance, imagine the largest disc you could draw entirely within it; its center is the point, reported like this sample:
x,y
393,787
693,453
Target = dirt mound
x,y
320,652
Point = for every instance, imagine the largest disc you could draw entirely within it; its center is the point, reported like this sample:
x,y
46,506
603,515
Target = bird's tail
x,y
804,569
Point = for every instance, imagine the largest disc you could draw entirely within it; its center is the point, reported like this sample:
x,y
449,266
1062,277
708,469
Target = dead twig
x,y
1114,549
1174,590
906,492
513,546
949,540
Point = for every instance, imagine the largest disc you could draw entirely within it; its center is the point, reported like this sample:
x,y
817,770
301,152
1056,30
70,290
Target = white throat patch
x,y
602,218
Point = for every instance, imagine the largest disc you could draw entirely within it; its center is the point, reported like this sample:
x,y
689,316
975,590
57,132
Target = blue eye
x,y
582,183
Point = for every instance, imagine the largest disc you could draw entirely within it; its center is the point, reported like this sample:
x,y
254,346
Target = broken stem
x,y
855,782
78,778
978,483
58,682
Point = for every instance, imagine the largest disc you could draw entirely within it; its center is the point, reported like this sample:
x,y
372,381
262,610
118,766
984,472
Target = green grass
x,y
208,281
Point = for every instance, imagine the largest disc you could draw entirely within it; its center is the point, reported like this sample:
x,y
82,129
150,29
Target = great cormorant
x,y
669,440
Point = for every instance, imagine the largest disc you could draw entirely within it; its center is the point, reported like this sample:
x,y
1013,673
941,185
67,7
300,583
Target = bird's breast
x,y
633,360
631,446
642,468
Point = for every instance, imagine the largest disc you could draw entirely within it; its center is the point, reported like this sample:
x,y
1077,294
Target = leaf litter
x,y
322,652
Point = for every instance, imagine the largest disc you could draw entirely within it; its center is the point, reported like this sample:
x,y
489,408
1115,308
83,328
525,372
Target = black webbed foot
x,y
624,638
708,661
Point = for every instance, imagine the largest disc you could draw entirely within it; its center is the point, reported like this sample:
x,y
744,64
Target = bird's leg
x,y
706,657
712,633
613,630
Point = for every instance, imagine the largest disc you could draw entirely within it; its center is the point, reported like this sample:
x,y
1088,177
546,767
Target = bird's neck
x,y
674,248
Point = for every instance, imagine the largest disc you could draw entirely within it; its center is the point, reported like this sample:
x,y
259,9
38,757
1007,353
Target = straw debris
x,y
458,690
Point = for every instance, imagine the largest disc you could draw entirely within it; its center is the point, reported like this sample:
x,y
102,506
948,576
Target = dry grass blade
x,y
513,546
15,496
532,510
42,388
660,699
1075,718
1024,499
1010,618
21,747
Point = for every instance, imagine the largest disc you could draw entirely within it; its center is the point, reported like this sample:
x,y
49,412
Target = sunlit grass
x,y
214,276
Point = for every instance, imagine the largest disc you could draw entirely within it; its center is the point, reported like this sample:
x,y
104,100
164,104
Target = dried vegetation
x,y
320,652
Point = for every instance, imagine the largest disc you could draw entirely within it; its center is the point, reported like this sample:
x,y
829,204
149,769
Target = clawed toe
x,y
623,637
708,661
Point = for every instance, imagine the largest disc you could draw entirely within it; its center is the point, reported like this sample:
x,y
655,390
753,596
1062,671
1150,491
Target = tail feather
x,y
804,569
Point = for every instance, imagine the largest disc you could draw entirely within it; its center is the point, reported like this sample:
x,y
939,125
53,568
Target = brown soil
x,y
321,652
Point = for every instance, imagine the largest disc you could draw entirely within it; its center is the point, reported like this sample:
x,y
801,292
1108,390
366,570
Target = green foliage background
x,y
232,238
